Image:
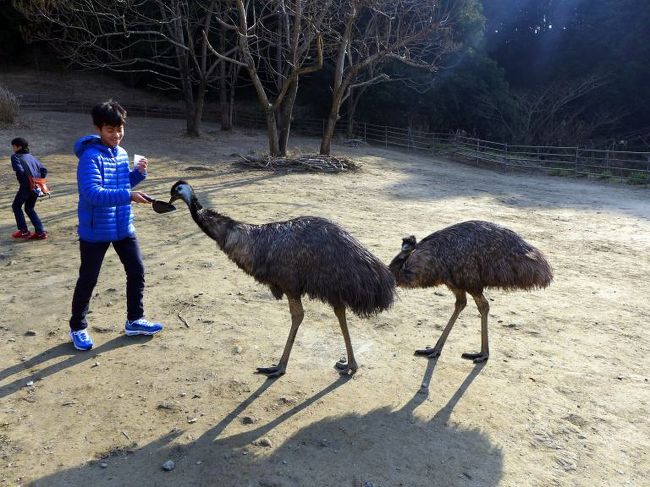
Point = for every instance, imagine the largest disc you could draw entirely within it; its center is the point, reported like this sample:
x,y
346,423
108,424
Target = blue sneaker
x,y
141,327
81,340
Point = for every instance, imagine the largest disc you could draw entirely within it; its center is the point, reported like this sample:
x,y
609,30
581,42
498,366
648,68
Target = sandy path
x,y
563,399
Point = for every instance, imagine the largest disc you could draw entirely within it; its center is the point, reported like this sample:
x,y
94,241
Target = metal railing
x,y
607,165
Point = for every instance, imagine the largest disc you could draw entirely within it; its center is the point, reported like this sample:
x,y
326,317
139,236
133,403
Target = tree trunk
x,y
352,105
224,105
190,109
272,133
284,117
332,118
231,105
198,106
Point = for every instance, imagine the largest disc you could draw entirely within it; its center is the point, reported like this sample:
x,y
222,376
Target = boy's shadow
x,y
75,357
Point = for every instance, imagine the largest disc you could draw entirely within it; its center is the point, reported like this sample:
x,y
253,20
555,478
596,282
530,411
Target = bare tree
x,y
554,114
279,41
164,38
368,34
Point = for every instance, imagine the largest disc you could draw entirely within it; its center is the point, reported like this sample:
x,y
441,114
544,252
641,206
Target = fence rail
x,y
623,166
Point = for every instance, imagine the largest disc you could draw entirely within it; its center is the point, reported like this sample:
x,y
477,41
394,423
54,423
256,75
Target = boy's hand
x,y
140,197
142,165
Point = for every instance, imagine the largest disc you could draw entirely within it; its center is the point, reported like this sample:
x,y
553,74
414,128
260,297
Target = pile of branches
x,y
305,163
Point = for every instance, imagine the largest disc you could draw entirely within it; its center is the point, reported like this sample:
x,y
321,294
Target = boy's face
x,y
110,135
15,148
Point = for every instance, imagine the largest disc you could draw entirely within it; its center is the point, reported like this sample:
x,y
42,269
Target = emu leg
x,y
297,314
349,367
461,302
483,308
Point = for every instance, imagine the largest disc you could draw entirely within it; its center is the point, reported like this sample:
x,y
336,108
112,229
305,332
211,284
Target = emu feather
x,y
469,257
307,255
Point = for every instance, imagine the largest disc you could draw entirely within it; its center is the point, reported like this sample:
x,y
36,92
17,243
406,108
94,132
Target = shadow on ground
x,y
383,447
448,179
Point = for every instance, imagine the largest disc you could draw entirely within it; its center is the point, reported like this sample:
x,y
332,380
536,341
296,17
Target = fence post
x,y
575,170
478,149
386,136
505,160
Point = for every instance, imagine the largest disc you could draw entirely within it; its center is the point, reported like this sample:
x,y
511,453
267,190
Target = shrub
x,y
8,106
561,172
637,177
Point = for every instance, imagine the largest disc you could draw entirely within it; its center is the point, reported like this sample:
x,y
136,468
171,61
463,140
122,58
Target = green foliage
x,y
549,41
451,101
638,178
561,172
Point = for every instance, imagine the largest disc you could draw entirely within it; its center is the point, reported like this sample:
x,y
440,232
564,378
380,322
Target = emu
x,y
469,257
305,256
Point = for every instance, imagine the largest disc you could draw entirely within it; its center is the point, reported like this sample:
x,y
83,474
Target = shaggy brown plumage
x,y
469,257
305,256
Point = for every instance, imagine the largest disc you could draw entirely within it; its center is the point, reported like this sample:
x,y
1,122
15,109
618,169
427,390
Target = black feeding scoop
x,y
160,206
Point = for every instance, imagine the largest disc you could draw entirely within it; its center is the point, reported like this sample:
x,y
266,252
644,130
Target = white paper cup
x,y
136,160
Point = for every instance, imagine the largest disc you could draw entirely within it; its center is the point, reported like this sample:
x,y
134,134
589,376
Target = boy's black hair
x,y
108,113
22,143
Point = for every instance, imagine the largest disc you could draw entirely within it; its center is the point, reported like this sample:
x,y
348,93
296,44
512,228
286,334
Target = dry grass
x,y
9,106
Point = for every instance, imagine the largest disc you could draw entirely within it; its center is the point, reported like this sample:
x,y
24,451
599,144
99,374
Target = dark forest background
x,y
529,72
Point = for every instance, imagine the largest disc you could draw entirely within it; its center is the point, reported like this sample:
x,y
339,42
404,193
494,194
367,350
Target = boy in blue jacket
x,y
104,181
26,165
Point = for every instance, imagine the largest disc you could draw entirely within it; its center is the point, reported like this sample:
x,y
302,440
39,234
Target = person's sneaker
x,y
21,234
141,327
81,340
38,236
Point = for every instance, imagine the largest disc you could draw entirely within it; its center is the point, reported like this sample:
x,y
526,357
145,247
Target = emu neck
x,y
232,237
213,224
397,267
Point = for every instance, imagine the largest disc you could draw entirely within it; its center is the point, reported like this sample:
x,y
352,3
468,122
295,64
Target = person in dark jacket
x,y
105,183
26,165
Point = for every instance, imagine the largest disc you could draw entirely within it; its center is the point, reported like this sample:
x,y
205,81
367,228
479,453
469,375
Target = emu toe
x,y
345,368
429,352
477,357
270,372
341,364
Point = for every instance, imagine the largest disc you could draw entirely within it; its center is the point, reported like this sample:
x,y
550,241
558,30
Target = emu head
x,y
181,190
409,243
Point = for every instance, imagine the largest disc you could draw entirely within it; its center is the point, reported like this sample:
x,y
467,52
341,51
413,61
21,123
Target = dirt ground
x,y
563,399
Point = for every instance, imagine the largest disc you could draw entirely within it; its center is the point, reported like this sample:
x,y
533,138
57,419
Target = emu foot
x,y
344,368
429,352
274,371
477,357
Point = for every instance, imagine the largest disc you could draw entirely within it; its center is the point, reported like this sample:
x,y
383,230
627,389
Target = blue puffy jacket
x,y
104,181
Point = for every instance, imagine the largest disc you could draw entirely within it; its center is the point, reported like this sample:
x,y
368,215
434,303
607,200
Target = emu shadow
x,y
385,447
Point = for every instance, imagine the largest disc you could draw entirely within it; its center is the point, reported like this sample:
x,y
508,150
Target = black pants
x,y
25,197
92,256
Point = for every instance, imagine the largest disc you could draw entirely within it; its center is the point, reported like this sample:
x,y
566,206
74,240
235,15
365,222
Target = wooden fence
x,y
621,166
607,165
